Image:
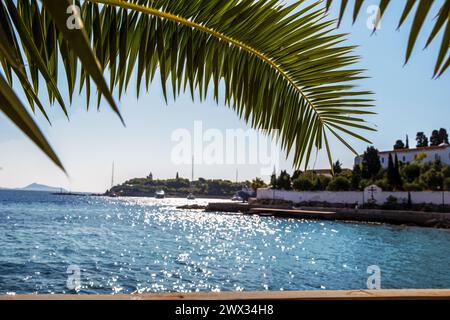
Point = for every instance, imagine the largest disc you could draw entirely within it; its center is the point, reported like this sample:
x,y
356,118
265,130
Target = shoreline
x,y
437,220
167,196
393,217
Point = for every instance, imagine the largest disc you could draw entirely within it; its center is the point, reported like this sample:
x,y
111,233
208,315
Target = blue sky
x,y
407,101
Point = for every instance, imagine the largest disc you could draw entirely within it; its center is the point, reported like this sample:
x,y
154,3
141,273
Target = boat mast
x,y
192,171
112,176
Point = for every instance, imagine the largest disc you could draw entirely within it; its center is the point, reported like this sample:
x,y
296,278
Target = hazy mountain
x,y
41,187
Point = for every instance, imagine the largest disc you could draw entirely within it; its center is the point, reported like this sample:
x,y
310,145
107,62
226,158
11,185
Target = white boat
x,y
160,194
190,196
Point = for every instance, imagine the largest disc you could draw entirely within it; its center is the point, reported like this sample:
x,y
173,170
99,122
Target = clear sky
x,y
407,101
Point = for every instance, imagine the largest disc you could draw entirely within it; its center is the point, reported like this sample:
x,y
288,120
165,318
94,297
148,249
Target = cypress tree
x,y
391,172
397,177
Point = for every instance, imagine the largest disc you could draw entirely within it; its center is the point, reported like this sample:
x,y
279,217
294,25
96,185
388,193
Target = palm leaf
x,y
282,67
11,106
440,20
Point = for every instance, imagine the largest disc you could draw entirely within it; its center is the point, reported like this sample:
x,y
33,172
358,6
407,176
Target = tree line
x,y
179,186
437,137
417,175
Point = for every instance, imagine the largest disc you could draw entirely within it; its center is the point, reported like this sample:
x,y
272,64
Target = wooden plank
x,y
401,294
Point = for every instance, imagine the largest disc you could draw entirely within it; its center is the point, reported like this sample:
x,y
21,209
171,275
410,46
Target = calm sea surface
x,y
147,245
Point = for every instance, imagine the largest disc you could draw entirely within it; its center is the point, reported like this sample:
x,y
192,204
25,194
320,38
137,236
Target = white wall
x,y
352,197
407,156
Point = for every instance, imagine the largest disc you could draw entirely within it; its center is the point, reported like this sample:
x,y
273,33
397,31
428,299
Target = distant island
x,y
179,187
41,187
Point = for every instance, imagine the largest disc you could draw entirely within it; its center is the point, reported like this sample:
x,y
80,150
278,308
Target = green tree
x,y
420,157
273,180
337,167
443,135
258,183
264,54
296,175
411,172
284,181
432,179
371,164
398,184
356,177
435,140
177,176
399,145
303,183
391,176
339,184
446,171
422,140
321,183
447,184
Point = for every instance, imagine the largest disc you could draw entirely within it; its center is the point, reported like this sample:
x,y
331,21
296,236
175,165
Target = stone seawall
x,y
412,218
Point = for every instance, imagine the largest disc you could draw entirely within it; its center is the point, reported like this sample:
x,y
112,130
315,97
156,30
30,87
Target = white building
x,y
441,152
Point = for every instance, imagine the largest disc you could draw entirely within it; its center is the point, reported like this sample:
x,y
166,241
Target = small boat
x,y
190,196
160,194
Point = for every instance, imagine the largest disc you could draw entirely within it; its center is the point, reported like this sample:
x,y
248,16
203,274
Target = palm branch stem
x,y
177,19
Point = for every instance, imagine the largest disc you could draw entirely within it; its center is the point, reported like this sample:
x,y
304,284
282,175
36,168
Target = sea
x,y
98,245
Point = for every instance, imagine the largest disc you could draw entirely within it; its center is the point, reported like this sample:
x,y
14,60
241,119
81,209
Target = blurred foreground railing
x,y
409,294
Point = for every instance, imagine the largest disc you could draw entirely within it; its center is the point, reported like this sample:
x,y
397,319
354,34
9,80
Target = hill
x,y
41,187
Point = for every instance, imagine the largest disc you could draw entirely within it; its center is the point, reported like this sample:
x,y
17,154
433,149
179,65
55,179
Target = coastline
x,y
438,220
393,217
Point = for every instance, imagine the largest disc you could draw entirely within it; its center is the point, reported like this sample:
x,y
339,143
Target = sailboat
x,y
112,194
236,196
191,195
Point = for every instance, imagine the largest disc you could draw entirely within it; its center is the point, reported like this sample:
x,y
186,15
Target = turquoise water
x,y
147,245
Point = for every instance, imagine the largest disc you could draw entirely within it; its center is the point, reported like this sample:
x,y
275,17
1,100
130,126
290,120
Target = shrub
x,y
365,183
339,184
447,184
303,184
391,200
446,171
411,172
432,179
383,184
413,186
321,183
284,181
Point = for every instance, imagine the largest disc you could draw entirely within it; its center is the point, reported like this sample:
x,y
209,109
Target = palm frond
x,y
282,67
423,14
